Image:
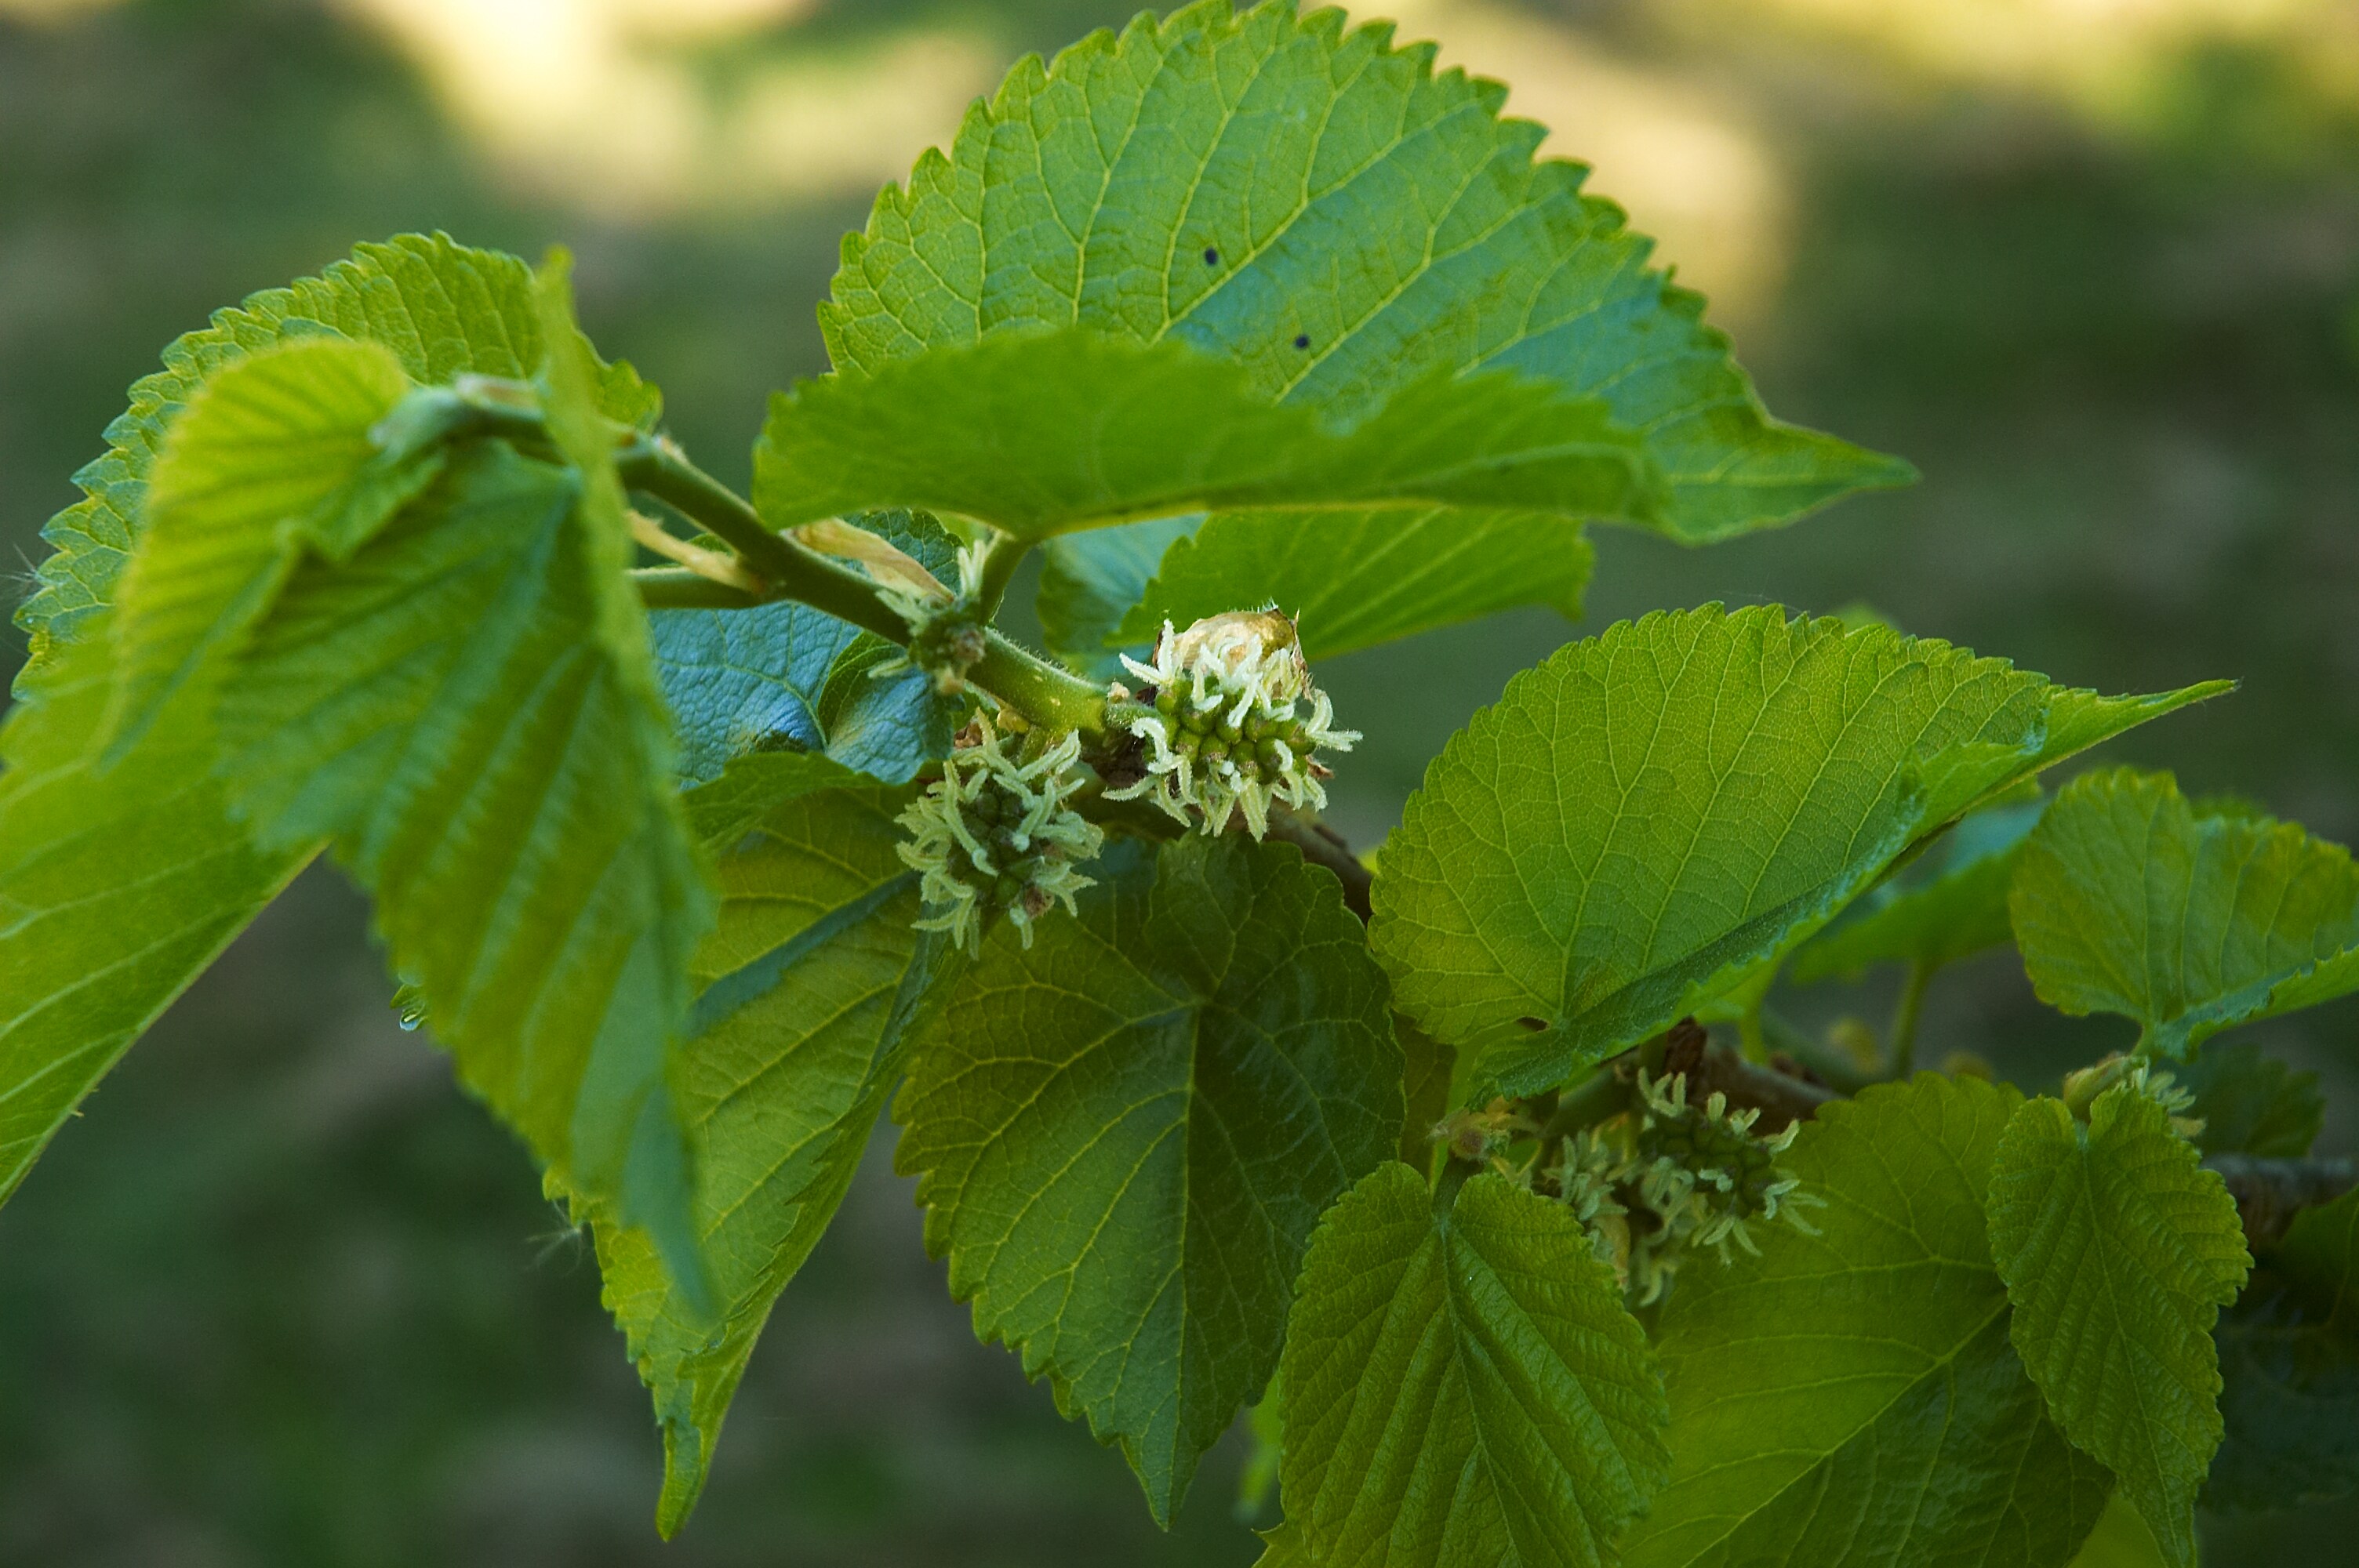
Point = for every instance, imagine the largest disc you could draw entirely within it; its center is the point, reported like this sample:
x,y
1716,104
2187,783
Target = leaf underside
x,y
1463,1391
2130,901
1852,1397
2118,1250
1127,1132
1651,815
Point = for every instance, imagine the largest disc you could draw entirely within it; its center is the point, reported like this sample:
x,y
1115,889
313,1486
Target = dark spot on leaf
x,y
1534,1024
1302,340
1212,256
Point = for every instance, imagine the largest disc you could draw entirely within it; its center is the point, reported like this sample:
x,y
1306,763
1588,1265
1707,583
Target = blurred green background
x,y
284,1297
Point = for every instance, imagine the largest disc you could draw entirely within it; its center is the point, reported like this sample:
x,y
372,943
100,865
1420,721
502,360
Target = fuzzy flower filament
x,y
1221,717
994,834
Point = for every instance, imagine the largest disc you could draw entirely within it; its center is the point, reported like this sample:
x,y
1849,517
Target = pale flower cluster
x,y
995,833
1226,732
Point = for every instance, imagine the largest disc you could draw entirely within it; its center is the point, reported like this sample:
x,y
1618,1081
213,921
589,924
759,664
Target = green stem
x,y
676,588
1023,681
1900,1057
999,562
1841,1072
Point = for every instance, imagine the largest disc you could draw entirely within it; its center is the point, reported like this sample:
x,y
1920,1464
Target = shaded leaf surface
x,y
784,676
2251,1103
1649,816
1851,1398
1328,214
1107,431
1127,1132
2118,1250
2289,1370
2130,901
1464,1388
807,986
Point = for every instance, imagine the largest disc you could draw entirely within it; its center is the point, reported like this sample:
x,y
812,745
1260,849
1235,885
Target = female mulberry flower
x,y
995,833
1220,716
1668,1177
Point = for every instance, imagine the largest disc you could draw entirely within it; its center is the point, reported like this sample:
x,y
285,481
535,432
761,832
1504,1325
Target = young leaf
x,y
1650,815
1089,582
1128,1129
741,682
1958,908
808,982
273,455
1851,1398
1462,1384
2251,1103
119,885
1327,213
2118,1250
1108,431
1358,579
469,707
2128,901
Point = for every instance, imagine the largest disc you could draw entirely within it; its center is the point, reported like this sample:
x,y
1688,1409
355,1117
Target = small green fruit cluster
x,y
995,835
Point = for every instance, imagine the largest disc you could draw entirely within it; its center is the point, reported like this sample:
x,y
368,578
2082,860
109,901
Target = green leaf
x,y
1249,184
2289,1370
2128,901
1955,908
1089,582
1107,431
809,983
1851,1398
1358,579
1647,817
1127,1131
469,707
118,886
273,455
784,675
2118,1250
1462,1384
2251,1103
2120,1540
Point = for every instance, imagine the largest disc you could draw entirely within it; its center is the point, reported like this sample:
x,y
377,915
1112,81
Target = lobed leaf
x,y
2129,901
1649,817
2289,1370
1357,578
1110,431
1851,1398
1463,1388
1955,909
809,983
1127,1132
785,676
118,885
1328,214
469,707
2118,1250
